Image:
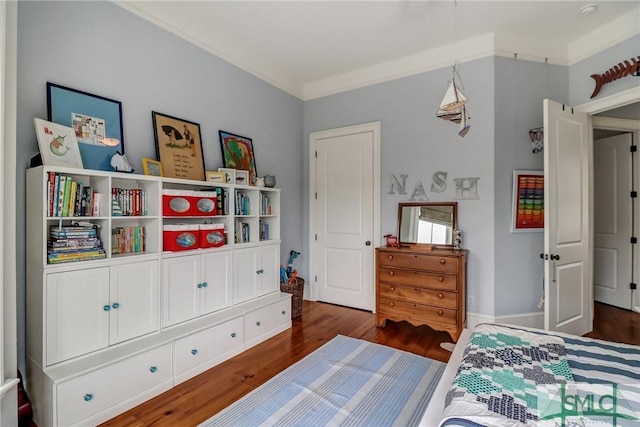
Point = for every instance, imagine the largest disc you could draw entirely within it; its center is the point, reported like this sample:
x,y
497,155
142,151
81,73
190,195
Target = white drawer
x,y
264,320
98,390
206,348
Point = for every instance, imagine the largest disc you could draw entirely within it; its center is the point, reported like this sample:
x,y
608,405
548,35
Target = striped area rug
x,y
346,382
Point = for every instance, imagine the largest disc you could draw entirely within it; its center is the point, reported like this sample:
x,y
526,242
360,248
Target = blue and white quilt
x,y
514,377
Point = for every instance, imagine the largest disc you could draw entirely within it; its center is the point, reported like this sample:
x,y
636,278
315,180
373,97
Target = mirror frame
x,y
426,246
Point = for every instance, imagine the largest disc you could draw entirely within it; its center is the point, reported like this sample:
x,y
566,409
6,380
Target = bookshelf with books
x,y
105,295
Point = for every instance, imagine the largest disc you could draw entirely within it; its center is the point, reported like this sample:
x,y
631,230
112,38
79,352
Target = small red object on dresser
x,y
392,241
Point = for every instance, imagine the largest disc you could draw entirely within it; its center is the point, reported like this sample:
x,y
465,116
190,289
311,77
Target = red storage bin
x,y
205,203
180,237
178,203
212,235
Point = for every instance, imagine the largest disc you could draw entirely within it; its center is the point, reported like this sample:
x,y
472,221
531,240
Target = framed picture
x,y
237,153
151,167
528,201
96,121
58,144
178,147
219,177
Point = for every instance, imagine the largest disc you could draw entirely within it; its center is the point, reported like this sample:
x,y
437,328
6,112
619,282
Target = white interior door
x,y
567,218
612,254
345,209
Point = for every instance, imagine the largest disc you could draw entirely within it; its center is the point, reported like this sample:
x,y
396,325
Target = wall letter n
x,y
396,184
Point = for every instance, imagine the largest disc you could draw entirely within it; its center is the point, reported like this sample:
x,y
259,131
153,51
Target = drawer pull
x,y
153,369
258,323
391,304
440,296
392,288
204,284
443,261
115,305
390,257
106,308
233,334
194,351
199,285
440,279
391,273
88,397
260,271
440,312
283,312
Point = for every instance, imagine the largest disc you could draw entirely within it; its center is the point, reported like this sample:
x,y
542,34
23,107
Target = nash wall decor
x,y
178,147
528,201
96,121
237,153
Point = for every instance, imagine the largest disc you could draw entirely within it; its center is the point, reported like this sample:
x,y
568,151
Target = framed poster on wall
x,y
528,201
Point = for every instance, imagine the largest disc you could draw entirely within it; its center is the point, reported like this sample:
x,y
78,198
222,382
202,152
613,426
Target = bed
x,y
515,376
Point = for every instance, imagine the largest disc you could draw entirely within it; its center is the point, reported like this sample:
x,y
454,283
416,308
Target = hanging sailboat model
x,y
453,108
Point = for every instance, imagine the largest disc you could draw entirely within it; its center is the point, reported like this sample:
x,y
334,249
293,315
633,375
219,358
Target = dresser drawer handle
x,y
88,397
392,304
392,288
440,279
391,273
440,296
153,369
443,261
390,257
440,312
194,351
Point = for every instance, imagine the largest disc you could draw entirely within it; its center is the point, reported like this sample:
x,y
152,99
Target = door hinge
x,y
316,195
633,148
633,286
634,194
316,237
315,279
316,154
634,240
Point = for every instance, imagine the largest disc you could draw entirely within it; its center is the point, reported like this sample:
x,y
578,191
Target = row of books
x,y
265,204
130,202
242,205
242,232
73,243
67,197
222,200
126,240
264,230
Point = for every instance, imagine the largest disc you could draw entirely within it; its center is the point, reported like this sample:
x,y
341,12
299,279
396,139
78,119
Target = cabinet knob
x,y
391,273
283,312
204,284
233,334
440,312
440,279
153,369
440,296
443,261
115,305
199,285
392,288
258,323
391,304
106,307
194,351
260,271
390,257
88,397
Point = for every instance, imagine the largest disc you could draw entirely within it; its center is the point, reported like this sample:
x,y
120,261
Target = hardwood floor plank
x,y
197,399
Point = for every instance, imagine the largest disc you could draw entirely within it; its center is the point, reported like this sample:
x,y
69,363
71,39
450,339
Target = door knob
x,y
555,257
368,243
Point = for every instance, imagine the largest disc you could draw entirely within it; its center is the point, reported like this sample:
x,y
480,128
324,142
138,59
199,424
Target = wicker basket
x,y
296,289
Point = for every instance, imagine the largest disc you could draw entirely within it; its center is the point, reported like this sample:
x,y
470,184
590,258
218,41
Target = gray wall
x,y
415,142
101,48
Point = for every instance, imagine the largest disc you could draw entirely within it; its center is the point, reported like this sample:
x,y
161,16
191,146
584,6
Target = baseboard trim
x,y
530,320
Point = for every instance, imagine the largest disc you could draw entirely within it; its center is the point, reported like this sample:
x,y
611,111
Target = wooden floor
x,y
196,400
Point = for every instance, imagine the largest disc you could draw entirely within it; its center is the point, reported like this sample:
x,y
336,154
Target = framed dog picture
x,y
237,153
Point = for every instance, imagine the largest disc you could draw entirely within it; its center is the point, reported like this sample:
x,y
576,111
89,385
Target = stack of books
x,y
73,243
67,197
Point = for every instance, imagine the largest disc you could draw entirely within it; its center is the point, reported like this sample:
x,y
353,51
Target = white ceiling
x,y
313,48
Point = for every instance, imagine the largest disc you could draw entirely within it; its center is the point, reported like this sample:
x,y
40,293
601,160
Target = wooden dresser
x,y
422,287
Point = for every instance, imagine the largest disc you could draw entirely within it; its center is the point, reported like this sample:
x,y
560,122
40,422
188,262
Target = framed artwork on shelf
x,y
96,121
242,177
178,147
237,153
58,144
151,167
528,201
219,177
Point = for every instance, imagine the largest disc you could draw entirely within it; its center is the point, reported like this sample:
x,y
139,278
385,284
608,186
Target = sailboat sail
x,y
453,99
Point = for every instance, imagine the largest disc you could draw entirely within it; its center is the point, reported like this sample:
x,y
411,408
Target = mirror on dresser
x,y
427,224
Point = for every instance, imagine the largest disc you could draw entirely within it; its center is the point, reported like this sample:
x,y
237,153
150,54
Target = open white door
x,y
567,217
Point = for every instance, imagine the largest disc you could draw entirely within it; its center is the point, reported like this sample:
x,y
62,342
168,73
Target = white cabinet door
x,y
77,313
268,260
180,298
134,300
246,275
215,293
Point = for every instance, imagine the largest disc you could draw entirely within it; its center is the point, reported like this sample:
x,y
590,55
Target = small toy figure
x,y
392,241
457,239
292,255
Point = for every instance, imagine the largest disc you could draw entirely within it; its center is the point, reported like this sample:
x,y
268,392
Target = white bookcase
x,y
155,317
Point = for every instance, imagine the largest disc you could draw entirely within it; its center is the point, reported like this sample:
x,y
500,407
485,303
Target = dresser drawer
x,y
266,319
417,311
420,278
419,261
96,391
202,350
418,295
